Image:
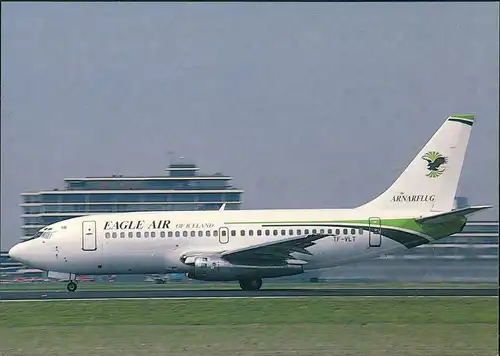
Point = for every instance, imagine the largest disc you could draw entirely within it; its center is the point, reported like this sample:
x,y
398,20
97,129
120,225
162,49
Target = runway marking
x,y
243,297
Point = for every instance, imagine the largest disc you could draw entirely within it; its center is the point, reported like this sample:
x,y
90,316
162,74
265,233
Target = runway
x,y
270,293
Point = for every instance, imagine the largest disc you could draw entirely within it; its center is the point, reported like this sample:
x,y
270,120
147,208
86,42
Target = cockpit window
x,y
46,235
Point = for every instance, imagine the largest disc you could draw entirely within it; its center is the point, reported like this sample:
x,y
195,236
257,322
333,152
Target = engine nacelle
x,y
218,269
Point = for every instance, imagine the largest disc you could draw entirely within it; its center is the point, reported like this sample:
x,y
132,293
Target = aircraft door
x,y
374,232
223,235
89,236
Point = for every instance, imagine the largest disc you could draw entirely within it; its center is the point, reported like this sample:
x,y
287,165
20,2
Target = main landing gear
x,y
72,284
250,284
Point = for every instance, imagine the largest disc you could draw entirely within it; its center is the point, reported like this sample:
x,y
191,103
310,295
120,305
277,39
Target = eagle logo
x,y
434,161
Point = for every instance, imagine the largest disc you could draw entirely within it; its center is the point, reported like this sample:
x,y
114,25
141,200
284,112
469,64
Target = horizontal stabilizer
x,y
448,216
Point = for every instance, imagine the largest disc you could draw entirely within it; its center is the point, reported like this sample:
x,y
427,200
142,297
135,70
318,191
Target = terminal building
x,y
182,189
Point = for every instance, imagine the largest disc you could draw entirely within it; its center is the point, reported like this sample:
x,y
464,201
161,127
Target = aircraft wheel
x,y
71,286
250,284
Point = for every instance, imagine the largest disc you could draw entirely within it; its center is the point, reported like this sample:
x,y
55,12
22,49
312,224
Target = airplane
x,y
250,245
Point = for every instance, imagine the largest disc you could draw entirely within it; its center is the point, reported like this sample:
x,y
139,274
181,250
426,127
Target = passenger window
x,y
345,231
233,232
193,233
290,232
250,232
153,234
130,234
337,231
138,234
360,231
114,235
108,235
242,232
259,232
314,231
185,233
122,234
306,231
267,232
170,234
330,231
223,232
353,231
162,234
283,232
146,234
200,233
299,231
215,233
322,231
177,234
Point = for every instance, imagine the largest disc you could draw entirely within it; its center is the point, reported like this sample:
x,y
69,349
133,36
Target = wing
x,y
277,251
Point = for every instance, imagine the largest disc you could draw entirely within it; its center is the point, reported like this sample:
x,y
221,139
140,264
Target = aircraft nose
x,y
18,253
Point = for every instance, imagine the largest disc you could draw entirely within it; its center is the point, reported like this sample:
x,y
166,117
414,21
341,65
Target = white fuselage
x,y
154,242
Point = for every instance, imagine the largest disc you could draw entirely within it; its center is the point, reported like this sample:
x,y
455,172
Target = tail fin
x,y
430,182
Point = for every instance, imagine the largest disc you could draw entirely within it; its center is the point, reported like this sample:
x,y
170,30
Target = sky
x,y
306,105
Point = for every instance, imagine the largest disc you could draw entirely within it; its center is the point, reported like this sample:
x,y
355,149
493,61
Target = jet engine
x,y
218,269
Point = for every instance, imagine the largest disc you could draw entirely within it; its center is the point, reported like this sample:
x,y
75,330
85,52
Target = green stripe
x,y
405,238
466,122
409,224
392,227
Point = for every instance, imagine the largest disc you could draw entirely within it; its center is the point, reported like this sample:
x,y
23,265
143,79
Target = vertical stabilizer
x,y
430,182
